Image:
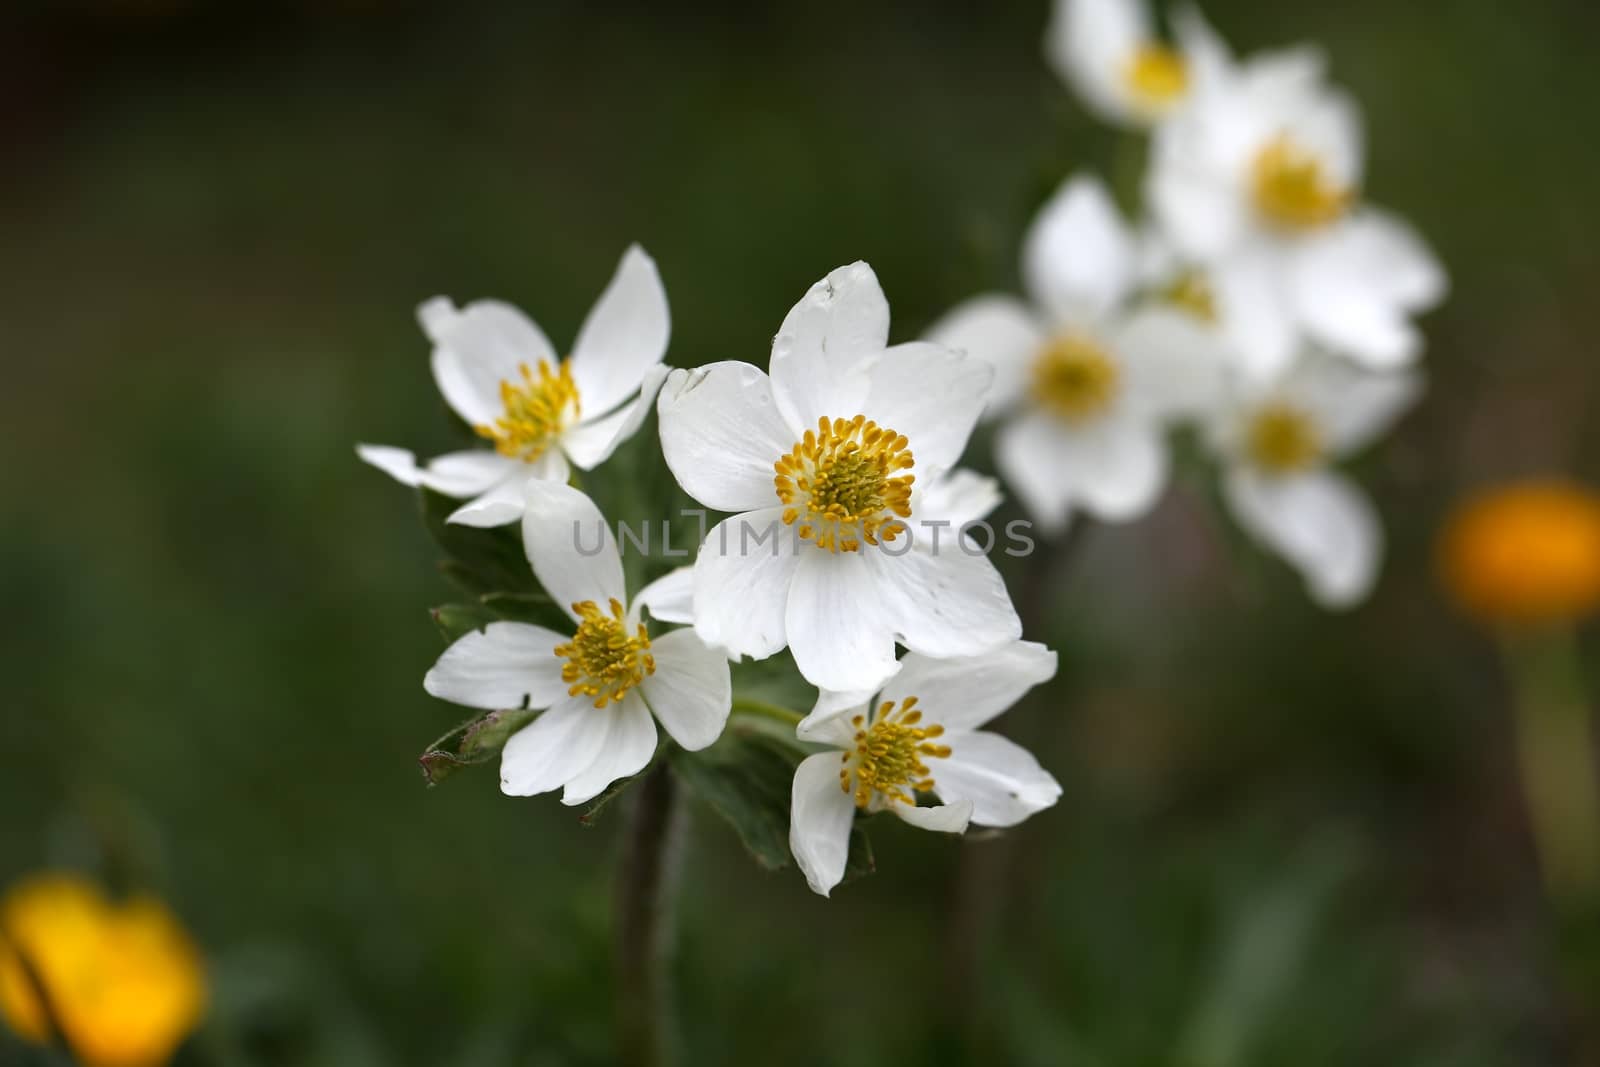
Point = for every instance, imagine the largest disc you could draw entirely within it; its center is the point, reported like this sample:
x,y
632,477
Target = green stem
x,y
1555,751
762,710
646,879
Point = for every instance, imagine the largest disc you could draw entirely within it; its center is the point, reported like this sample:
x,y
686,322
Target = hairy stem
x,y
646,878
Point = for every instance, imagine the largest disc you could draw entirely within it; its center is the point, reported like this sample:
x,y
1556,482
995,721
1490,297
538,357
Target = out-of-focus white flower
x,y
601,682
920,736
1258,180
1277,442
498,371
822,462
1109,53
1086,379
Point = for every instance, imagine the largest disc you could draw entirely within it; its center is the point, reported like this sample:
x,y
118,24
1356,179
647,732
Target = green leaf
x,y
475,741
480,561
535,608
746,778
455,621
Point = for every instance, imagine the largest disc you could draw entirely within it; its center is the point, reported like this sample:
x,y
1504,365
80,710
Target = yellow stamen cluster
x,y
1192,292
1293,191
537,409
1157,76
887,758
1283,439
840,484
1074,378
603,661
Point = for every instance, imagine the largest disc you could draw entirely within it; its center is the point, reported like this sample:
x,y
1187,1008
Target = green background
x,y
1286,836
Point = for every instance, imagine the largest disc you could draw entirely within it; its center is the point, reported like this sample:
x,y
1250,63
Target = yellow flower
x,y
121,981
1525,555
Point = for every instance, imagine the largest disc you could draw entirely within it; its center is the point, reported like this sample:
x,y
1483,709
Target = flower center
x,y
602,660
1193,293
1074,378
537,408
1283,439
887,758
839,483
1292,189
1157,76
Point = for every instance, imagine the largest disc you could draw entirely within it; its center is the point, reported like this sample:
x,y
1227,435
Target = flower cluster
x,y
1263,299
830,466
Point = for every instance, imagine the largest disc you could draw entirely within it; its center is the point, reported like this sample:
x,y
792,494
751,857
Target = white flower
x,y
920,736
1108,52
498,371
1086,380
1277,442
821,463
601,682
1258,179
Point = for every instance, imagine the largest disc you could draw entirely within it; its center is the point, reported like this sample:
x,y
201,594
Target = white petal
x,y
467,474
741,588
1330,127
951,818
1317,521
1357,286
570,546
624,335
1199,161
552,749
1113,468
960,497
690,692
1173,363
933,396
1204,214
1025,453
1091,43
398,463
721,434
1079,256
1350,405
1209,59
501,504
838,633
506,501
477,348
820,817
829,720
670,598
590,444
962,693
1001,778
825,343
630,741
1257,318
941,602
1002,332
504,665
457,474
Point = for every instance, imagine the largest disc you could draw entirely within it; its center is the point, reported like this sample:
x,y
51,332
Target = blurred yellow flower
x,y
122,981
1525,555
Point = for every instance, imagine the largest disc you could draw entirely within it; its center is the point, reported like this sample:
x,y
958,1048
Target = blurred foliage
x,y
1286,836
